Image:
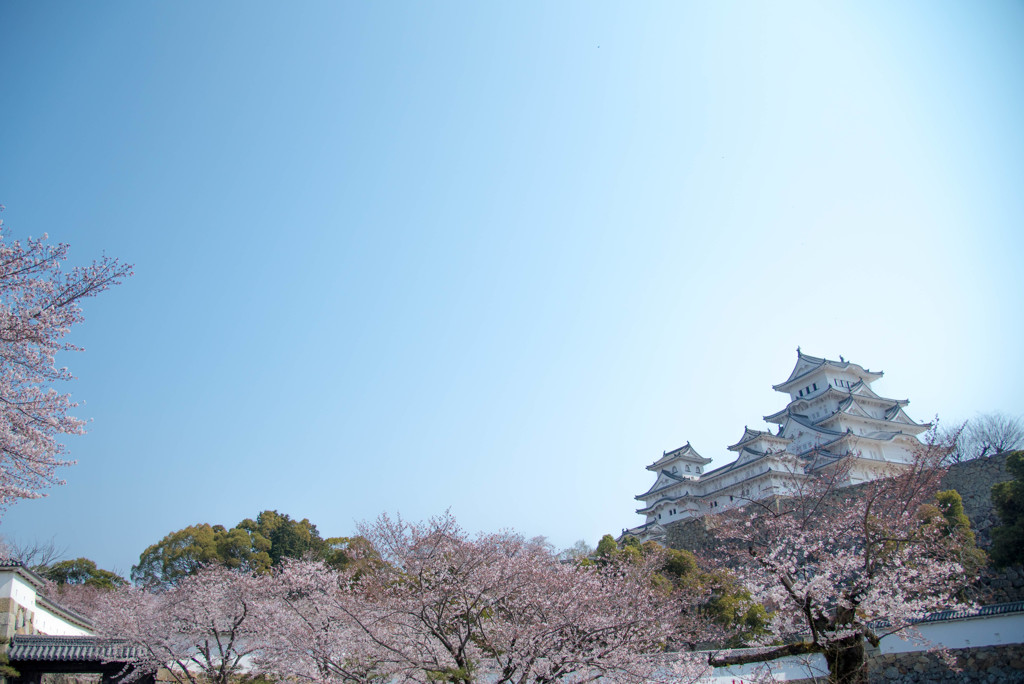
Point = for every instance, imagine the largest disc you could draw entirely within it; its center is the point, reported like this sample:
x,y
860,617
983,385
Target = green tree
x,y
256,545
184,552
732,608
6,670
356,553
1008,498
288,538
83,571
949,509
729,605
607,546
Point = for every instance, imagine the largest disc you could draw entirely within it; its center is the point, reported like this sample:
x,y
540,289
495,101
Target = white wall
x,y
44,620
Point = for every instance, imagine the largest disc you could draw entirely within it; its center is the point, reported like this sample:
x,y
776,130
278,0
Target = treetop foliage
x,y
948,512
82,571
255,546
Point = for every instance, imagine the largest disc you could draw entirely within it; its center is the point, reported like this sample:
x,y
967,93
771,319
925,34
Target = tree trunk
x,y
847,661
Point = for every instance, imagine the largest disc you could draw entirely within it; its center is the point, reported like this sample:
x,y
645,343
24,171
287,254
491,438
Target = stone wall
x,y
693,534
14,619
986,665
974,480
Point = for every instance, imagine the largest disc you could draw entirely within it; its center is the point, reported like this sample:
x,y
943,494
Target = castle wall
x,y
986,665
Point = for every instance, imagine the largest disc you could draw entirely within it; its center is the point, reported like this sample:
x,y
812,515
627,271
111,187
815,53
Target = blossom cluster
x,y
39,303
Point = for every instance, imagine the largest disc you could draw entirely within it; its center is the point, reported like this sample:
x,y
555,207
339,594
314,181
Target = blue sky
x,y
497,257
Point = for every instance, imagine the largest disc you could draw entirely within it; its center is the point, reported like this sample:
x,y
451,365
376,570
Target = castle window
x,y
801,393
687,468
815,385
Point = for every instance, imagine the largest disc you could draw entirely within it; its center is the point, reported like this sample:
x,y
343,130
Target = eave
x,y
818,364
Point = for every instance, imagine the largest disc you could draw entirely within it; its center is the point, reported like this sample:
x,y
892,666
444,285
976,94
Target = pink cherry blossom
x,y
39,303
202,630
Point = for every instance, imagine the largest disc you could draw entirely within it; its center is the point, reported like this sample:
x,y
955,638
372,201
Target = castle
x,y
832,414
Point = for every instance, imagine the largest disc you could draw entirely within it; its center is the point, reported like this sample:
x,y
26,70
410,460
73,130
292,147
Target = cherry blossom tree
x,y
440,605
841,566
85,599
39,304
319,626
612,621
201,630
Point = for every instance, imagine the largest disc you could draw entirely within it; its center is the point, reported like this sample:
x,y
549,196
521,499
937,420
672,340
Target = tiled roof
x,y
68,648
750,435
18,567
816,363
655,488
685,452
944,615
997,609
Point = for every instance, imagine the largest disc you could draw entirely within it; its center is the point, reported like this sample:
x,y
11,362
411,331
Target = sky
x,y
497,257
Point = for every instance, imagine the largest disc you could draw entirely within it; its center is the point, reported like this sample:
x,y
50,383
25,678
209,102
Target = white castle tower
x,y
832,413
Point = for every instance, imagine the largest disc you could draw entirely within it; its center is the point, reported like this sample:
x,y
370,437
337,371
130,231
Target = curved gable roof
x,y
684,453
807,364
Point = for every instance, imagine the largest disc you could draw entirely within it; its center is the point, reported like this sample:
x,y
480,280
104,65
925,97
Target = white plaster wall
x,y
782,670
47,623
995,630
16,588
43,621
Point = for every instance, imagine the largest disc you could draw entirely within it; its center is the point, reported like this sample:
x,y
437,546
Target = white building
x,y
23,610
832,413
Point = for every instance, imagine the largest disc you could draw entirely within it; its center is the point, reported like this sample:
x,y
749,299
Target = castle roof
x,y
751,457
665,500
801,419
684,453
656,487
859,390
875,436
849,407
806,365
754,435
